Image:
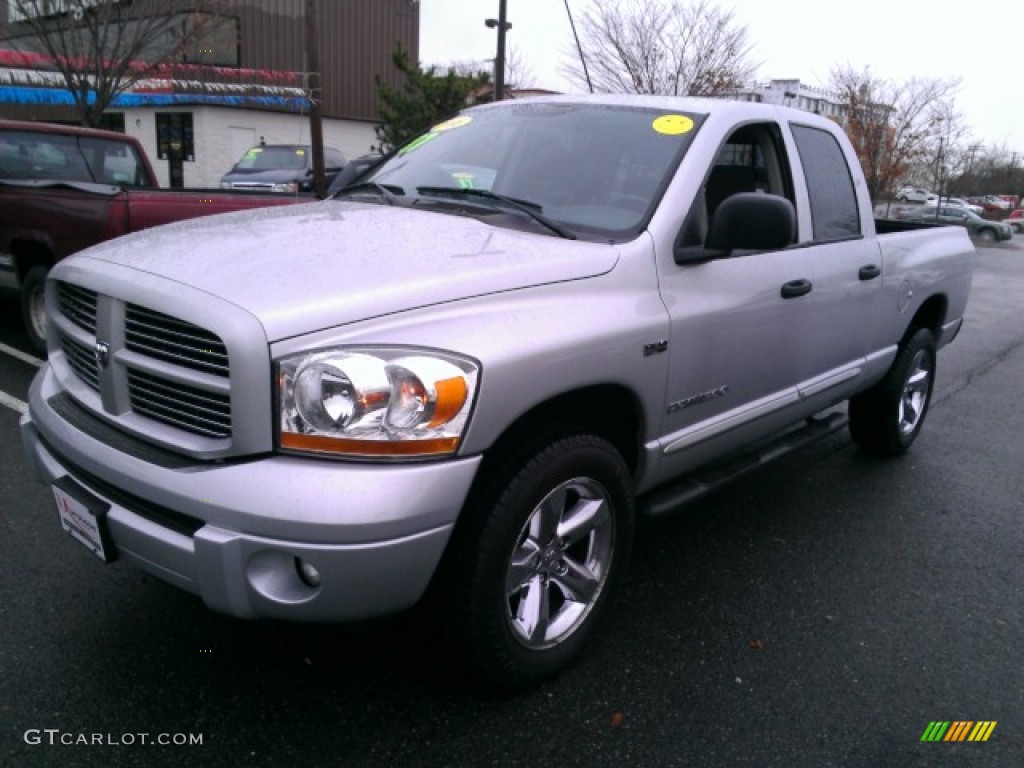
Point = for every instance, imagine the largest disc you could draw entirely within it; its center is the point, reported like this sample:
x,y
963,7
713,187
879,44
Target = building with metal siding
x,y
356,39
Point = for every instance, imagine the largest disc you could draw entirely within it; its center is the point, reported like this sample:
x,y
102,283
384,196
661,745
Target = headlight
x,y
289,186
225,185
375,402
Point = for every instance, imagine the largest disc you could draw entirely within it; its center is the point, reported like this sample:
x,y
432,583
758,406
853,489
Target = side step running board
x,y
670,498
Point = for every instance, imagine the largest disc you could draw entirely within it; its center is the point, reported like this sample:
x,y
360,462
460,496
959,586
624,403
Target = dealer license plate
x,y
84,517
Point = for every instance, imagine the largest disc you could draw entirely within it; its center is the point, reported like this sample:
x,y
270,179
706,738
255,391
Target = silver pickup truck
x,y
474,367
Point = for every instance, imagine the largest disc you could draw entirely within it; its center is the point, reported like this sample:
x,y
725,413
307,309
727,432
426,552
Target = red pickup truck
x,y
65,188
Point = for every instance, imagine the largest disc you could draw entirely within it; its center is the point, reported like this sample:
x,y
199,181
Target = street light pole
x,y
499,60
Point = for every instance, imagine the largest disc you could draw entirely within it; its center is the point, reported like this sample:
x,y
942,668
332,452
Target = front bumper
x,y
234,532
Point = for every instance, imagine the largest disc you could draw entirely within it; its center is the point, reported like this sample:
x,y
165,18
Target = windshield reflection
x,y
595,169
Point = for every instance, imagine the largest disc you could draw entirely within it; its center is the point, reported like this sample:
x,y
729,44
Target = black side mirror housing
x,y
749,221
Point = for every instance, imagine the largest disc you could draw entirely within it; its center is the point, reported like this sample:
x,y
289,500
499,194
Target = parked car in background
x,y
995,203
65,188
280,168
914,195
1016,220
983,229
957,202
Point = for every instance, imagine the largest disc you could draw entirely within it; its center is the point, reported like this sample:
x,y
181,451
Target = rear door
x,y
846,262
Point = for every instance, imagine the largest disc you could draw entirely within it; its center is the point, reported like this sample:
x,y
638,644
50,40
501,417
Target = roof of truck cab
x,y
692,104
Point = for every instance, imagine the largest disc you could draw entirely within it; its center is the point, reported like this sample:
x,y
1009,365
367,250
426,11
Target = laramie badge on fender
x,y
703,397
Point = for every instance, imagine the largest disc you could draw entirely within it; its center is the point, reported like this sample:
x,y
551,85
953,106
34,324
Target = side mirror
x,y
751,221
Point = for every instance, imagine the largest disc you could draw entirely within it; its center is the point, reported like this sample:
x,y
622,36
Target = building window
x,y
174,136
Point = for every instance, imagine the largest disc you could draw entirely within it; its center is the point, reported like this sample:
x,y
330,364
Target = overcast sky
x,y
804,39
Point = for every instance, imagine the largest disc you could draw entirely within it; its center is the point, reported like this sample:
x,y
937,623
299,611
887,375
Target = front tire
x,y
33,308
987,235
887,418
544,547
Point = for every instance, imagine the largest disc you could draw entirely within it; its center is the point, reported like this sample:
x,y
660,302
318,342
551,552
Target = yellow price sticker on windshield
x,y
455,122
672,125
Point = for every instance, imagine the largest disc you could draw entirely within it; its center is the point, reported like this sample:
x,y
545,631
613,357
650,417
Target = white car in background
x,y
914,195
957,202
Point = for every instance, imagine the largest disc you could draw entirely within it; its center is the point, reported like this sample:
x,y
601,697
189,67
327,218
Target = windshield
x,y
596,170
273,159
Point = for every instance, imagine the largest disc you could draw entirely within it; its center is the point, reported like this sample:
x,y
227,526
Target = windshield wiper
x,y
531,209
372,186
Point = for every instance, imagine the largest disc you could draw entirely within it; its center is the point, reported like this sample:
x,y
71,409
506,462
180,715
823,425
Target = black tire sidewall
x,y
35,281
490,645
874,415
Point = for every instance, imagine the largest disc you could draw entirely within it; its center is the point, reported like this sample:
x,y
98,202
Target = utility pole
x,y
316,127
499,60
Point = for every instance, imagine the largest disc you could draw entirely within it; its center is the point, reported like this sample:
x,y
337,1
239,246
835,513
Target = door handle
x,y
795,288
869,272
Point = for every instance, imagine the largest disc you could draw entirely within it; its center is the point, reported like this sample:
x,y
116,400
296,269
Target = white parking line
x,y
19,355
13,403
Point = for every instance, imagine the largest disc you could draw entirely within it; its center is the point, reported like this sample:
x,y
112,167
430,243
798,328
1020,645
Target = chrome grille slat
x,y
78,305
181,405
167,338
82,362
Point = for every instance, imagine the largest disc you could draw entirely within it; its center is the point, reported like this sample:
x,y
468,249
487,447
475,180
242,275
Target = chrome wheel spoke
x,y
586,516
577,582
522,568
546,517
533,613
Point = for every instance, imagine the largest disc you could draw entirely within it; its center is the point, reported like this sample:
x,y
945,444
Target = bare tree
x,y
517,72
675,47
898,128
102,47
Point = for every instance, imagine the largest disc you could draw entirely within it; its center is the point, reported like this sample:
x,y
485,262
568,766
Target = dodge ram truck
x,y
64,188
466,375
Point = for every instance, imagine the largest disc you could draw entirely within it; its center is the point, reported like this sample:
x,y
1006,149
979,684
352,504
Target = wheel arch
x,y
930,315
29,254
610,411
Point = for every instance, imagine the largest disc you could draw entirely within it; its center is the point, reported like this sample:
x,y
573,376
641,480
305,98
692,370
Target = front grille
x,y
78,305
176,373
82,361
176,341
190,408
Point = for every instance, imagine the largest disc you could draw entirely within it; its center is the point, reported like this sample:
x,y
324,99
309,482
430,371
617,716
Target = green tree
x,y
424,99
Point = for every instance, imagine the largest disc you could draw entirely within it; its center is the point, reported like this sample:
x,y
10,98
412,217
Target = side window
x,y
829,184
752,159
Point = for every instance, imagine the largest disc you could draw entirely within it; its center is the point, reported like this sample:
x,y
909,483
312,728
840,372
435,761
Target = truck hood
x,y
303,268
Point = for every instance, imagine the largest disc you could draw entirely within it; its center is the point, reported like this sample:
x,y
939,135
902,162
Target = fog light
x,y
310,576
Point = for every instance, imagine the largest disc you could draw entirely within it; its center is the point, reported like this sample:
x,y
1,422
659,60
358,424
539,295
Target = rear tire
x,y
888,417
33,307
545,544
